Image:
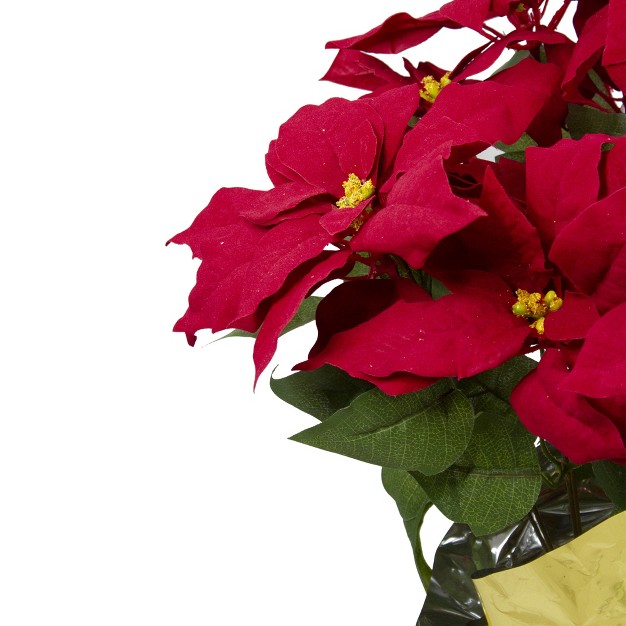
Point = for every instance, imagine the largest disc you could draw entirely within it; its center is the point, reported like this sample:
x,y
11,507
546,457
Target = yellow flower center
x,y
432,86
355,191
534,306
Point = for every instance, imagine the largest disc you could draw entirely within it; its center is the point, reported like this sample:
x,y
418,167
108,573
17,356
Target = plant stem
x,y
574,509
544,538
546,452
423,569
492,31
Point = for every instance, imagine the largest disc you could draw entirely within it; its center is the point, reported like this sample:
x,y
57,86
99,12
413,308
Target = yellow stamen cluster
x,y
534,306
432,86
355,191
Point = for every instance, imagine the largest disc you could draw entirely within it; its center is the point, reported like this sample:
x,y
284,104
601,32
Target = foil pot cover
x,y
582,583
452,598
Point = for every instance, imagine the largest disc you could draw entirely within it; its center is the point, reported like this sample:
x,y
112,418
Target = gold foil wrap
x,y
582,583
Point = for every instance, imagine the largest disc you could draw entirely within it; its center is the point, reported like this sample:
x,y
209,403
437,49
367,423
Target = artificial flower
x,y
262,252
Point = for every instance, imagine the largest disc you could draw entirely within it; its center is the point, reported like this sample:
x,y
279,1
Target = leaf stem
x,y
574,508
492,31
423,569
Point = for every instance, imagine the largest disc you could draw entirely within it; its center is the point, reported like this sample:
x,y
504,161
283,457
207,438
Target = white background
x,y
142,481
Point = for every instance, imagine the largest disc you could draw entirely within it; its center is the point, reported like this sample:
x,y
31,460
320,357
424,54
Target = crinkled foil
x,y
582,583
452,599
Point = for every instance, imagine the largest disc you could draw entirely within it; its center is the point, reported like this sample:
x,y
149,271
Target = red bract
x,y
401,31
600,46
576,398
599,231
458,335
353,68
262,252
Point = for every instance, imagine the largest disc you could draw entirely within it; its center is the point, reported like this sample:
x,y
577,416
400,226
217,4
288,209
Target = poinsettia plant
x,y
465,218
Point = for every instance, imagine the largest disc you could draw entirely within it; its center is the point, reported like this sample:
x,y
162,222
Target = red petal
x,y
613,167
401,31
421,210
277,171
567,420
272,203
338,220
243,265
355,302
591,250
615,51
614,56
469,13
284,307
600,369
561,181
281,249
457,335
395,108
587,51
218,234
399,383
573,320
396,33
503,242
353,68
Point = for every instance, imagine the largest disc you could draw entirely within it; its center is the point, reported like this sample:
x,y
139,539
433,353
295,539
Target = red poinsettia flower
x,y
420,208
520,276
599,47
262,252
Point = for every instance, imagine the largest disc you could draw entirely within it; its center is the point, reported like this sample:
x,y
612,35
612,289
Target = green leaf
x,y
501,380
239,333
525,141
612,478
426,430
602,96
582,120
304,315
516,151
513,156
497,481
518,56
320,392
438,289
359,269
413,503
